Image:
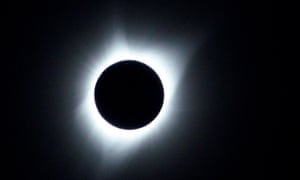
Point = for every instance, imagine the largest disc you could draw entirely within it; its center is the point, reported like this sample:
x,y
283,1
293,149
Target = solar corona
x,y
128,91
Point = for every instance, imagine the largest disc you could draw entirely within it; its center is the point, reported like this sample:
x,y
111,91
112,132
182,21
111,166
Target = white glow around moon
x,y
168,61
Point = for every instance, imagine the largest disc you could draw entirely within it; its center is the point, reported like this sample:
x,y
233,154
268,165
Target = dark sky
x,y
222,132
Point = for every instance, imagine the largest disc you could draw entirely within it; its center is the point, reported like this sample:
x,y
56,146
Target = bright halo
x,y
168,63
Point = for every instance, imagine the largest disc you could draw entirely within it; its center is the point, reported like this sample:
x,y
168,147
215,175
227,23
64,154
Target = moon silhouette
x,y
129,94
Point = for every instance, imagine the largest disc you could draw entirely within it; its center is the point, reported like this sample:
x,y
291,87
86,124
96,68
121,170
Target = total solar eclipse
x,y
129,94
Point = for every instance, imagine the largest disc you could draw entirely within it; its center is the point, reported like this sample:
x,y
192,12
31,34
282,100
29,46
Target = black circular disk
x,y
129,94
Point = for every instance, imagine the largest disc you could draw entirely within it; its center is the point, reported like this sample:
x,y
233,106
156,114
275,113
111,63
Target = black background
x,y
224,133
